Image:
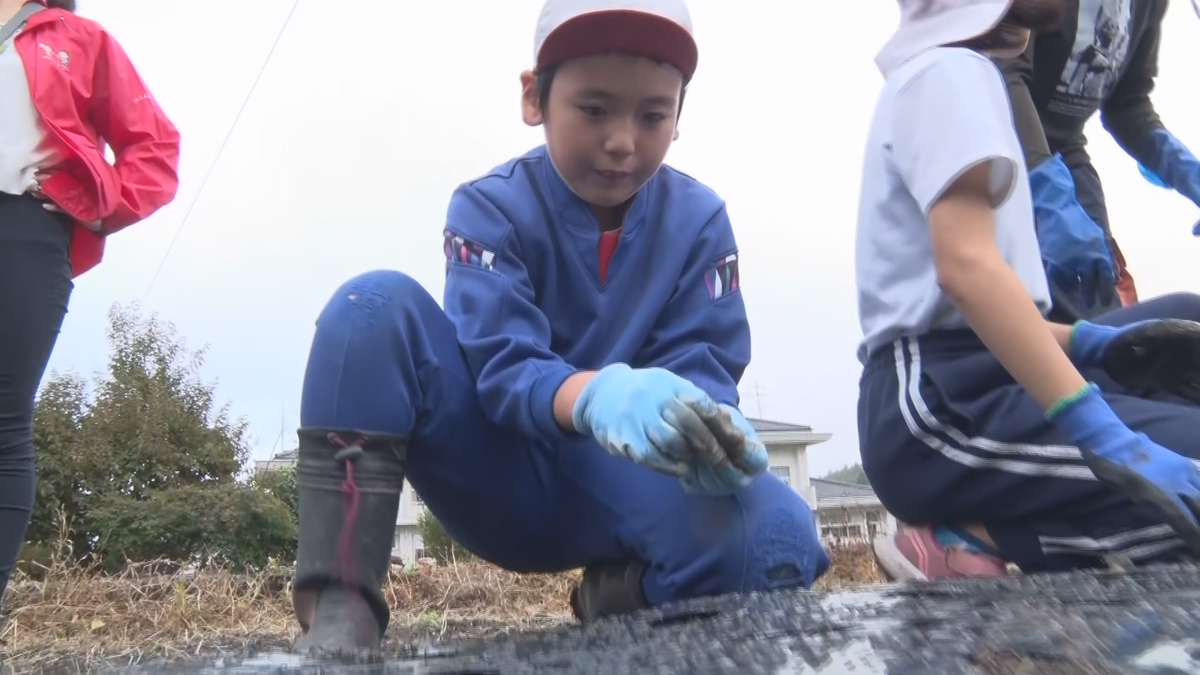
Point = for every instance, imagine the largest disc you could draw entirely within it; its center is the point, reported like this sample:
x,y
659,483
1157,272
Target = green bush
x,y
437,543
234,525
280,483
141,463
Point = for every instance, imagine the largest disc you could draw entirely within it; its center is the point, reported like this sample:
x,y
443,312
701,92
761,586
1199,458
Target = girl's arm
x,y
985,289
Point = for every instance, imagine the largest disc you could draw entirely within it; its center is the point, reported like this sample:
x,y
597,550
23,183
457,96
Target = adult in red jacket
x,y
67,90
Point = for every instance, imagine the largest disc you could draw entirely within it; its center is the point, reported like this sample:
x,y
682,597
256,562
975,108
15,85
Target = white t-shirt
x,y
22,137
941,113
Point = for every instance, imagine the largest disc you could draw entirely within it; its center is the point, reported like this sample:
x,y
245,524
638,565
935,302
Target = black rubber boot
x,y
348,484
608,590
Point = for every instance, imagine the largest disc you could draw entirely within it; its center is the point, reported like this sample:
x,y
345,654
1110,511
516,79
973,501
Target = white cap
x,y
925,24
656,29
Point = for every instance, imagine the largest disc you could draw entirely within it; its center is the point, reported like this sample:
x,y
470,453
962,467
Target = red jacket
x,y
89,94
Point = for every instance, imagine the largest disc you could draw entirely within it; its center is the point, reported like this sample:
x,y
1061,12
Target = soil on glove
x,y
1144,622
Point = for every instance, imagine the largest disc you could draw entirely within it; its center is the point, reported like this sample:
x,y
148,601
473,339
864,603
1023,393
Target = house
x,y
787,451
846,511
281,460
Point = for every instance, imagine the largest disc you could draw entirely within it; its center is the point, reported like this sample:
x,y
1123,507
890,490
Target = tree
x,y
437,542
145,464
852,473
281,484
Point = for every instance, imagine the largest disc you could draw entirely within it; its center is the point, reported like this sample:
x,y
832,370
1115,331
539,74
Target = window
x,y
842,532
416,498
783,473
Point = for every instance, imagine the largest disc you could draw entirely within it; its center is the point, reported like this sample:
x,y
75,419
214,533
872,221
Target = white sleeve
x,y
951,116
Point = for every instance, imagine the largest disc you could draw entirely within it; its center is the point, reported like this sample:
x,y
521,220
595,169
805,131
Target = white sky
x,y
369,115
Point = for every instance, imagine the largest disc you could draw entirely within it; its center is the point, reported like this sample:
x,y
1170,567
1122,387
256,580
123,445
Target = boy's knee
x,y
782,546
365,296
765,539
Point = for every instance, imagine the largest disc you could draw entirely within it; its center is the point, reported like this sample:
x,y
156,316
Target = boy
x,y
575,404
1103,57
977,428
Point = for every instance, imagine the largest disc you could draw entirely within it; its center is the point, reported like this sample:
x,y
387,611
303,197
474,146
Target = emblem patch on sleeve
x,y
462,250
722,278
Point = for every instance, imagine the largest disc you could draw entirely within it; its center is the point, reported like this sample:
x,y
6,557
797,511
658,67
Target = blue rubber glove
x,y
1090,341
1073,248
1141,469
1151,178
1161,354
650,416
1167,162
745,458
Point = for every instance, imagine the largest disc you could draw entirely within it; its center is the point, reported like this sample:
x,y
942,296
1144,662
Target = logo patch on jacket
x,y
62,59
462,250
722,278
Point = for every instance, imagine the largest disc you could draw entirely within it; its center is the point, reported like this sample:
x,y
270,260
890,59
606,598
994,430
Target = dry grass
x,y
142,613
851,565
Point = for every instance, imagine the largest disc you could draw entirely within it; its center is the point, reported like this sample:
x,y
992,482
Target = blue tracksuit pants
x,y
385,358
948,437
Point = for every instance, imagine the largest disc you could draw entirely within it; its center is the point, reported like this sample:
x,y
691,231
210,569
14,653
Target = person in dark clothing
x,y
1103,58
65,86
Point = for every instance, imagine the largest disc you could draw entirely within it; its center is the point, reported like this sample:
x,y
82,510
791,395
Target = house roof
x,y
833,489
768,425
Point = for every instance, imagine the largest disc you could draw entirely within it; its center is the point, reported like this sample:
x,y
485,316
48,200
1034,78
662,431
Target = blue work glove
x,y
1162,354
745,457
1141,469
1073,246
1166,162
650,416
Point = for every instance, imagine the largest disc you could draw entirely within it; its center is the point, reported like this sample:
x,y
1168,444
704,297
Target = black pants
x,y
35,286
947,436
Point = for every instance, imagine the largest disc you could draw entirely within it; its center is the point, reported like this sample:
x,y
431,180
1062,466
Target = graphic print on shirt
x,y
1098,55
462,250
723,278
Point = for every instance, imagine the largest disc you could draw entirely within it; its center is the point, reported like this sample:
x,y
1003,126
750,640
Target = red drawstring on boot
x,y
347,561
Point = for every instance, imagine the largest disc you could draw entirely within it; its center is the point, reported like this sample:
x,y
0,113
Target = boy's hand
x,y
745,457
739,440
650,416
1159,353
1140,468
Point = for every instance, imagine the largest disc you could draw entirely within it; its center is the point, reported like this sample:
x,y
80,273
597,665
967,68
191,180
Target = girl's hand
x,y
49,204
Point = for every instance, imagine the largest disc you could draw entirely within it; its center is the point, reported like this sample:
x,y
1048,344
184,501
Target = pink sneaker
x,y
913,554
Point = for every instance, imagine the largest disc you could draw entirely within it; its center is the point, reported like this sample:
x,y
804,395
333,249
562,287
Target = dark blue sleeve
x,y
703,335
503,334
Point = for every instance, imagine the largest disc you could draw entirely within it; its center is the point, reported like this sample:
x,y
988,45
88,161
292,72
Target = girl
x,y
66,90
997,436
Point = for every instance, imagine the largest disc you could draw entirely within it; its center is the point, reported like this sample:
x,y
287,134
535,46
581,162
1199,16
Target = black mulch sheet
x,y
1094,623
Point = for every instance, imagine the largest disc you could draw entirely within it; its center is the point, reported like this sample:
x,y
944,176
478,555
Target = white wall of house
x,y
787,455
407,543
276,463
789,463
